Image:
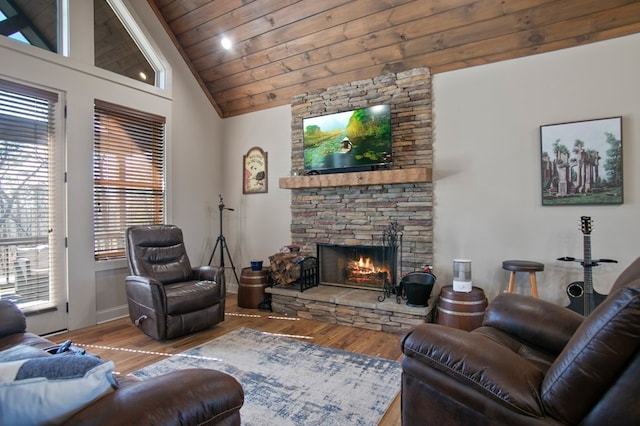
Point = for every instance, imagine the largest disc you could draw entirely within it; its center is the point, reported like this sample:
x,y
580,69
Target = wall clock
x,y
254,179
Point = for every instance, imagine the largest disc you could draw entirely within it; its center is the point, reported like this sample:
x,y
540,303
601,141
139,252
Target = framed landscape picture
x,y
582,162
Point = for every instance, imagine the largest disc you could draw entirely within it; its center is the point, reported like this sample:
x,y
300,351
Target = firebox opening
x,y
364,267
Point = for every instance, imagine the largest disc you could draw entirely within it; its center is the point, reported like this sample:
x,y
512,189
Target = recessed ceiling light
x,y
143,76
226,43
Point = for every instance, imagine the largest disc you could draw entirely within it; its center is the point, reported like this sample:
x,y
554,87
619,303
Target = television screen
x,y
354,139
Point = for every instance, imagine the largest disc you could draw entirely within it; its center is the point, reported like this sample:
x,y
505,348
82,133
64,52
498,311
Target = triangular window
x,y
121,47
31,22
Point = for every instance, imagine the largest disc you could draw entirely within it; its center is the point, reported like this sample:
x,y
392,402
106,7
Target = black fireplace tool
x,y
392,238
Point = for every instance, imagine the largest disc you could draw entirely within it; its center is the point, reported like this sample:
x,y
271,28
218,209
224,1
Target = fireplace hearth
x,y
356,266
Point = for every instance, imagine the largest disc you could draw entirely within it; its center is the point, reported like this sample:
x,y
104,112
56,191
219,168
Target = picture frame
x,y
581,162
254,171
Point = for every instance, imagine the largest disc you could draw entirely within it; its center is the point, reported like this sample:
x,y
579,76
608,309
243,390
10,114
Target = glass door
x,y
32,252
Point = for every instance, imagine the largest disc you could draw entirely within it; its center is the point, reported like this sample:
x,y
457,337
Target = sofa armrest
x,y
478,363
142,280
12,319
184,397
536,322
210,273
146,291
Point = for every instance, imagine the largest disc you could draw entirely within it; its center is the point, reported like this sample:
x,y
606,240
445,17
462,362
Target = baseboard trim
x,y
112,314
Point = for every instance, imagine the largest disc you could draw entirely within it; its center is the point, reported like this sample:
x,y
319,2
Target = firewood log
x,y
285,267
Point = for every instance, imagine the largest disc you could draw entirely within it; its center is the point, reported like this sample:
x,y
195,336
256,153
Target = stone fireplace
x,y
355,210
336,213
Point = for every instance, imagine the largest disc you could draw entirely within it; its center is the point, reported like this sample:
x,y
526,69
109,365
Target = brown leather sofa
x,y
186,397
167,297
532,362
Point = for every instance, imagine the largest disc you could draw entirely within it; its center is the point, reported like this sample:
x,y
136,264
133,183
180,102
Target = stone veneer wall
x,y
359,214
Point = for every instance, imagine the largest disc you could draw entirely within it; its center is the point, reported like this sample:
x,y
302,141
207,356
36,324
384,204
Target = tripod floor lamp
x,y
222,243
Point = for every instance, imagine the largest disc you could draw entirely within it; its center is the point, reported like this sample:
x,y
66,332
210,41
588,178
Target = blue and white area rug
x,y
289,382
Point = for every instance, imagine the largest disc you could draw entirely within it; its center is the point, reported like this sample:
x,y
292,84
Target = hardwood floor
x,y
130,350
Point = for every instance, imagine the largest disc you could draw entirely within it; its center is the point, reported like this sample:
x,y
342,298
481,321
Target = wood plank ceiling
x,y
286,47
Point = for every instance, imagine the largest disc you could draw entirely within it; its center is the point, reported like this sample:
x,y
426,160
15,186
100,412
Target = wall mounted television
x,y
354,140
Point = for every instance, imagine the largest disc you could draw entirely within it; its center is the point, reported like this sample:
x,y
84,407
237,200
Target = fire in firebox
x,y
356,266
365,272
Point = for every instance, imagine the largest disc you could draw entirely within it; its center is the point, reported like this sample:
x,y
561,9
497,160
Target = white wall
x,y
487,204
260,223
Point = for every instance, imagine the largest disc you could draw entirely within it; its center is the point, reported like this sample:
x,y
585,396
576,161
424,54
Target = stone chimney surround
x,y
355,208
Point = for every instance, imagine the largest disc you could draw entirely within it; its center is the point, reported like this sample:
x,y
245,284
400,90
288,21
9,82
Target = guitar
x,y
583,291
575,291
589,300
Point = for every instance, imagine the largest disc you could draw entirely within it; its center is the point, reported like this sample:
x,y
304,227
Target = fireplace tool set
x,y
415,287
392,238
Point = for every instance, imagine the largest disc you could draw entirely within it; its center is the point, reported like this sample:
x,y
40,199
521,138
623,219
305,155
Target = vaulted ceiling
x,y
283,48
286,47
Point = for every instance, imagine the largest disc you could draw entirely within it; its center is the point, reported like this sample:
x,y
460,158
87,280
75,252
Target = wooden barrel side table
x,y
251,287
459,309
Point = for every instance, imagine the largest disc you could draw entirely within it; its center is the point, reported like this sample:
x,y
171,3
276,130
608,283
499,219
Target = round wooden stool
x,y
523,266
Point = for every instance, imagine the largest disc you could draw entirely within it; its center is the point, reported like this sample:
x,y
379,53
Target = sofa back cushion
x,y
158,252
12,319
594,358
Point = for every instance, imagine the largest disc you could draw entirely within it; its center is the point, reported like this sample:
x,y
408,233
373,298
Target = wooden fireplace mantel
x,y
375,177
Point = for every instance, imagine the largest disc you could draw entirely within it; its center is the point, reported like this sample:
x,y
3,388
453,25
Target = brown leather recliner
x,y
532,362
167,297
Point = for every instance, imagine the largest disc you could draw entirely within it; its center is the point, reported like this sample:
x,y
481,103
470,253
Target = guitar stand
x,y
594,262
576,290
586,290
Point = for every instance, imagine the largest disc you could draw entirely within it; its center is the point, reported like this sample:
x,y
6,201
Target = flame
x,y
364,272
365,266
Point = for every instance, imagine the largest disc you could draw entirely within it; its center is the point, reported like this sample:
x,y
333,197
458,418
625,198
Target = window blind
x,y
128,173
28,198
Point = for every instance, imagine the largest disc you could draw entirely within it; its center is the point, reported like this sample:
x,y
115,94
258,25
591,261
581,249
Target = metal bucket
x,y
417,288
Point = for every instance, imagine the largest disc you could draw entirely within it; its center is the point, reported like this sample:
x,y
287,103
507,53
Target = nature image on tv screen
x,y
349,139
